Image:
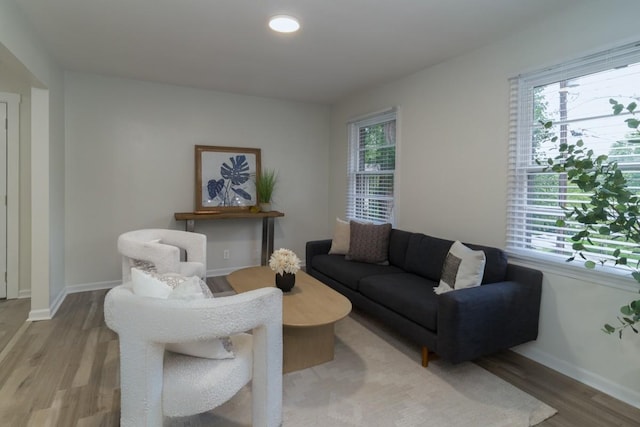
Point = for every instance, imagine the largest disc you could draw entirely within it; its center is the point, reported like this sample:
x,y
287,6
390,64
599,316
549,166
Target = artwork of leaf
x,y
225,177
215,187
240,192
238,172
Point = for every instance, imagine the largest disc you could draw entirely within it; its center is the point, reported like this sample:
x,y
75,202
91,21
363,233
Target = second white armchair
x,y
162,248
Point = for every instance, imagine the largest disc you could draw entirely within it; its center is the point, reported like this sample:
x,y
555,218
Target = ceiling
x,y
344,46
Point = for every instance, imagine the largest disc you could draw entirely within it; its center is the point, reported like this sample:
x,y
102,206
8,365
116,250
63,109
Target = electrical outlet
x,y
226,254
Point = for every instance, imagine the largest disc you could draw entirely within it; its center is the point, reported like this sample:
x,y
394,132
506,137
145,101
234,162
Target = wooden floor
x,y
576,403
64,372
13,314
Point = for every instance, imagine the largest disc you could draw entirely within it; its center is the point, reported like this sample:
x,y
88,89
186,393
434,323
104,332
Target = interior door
x,y
3,199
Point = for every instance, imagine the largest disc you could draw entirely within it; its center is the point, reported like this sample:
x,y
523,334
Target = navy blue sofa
x,y
459,325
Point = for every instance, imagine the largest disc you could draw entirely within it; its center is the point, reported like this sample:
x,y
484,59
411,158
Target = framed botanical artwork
x,y
226,178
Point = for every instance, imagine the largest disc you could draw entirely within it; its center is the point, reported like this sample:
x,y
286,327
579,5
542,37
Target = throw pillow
x,y
369,243
463,268
175,286
340,242
146,285
146,266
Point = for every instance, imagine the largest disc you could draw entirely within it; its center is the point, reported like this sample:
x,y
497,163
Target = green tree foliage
x,y
377,150
612,209
540,134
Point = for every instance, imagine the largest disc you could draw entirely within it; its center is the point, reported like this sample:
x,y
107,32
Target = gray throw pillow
x,y
369,243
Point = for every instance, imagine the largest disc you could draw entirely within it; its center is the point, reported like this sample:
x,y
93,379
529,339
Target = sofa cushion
x,y
495,269
410,295
349,273
426,255
369,243
398,242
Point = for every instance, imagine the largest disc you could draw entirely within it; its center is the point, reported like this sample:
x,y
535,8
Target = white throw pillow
x,y
463,268
174,286
188,289
341,237
147,285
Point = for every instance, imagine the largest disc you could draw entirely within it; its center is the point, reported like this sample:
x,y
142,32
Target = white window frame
x,y
520,139
354,127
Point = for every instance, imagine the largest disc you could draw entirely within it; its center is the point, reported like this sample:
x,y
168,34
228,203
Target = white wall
x,y
46,272
453,168
130,165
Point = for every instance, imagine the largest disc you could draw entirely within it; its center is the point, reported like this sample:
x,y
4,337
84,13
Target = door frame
x,y
13,192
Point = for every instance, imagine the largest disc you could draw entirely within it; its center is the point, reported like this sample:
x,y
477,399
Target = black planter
x,y
285,281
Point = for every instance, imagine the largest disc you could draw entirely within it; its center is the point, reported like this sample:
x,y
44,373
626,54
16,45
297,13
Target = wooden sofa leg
x,y
425,356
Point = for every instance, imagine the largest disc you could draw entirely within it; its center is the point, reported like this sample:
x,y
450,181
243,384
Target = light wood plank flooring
x,y
64,372
13,314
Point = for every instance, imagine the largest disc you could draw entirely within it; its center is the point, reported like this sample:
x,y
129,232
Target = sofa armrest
x,y
316,247
477,321
523,275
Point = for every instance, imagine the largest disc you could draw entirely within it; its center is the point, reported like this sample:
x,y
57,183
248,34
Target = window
x,y
371,168
575,97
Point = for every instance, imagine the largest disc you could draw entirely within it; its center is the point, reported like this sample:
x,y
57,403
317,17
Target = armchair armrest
x,y
194,244
316,247
191,320
477,321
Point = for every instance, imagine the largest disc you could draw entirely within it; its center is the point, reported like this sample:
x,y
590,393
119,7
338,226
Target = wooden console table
x,y
267,225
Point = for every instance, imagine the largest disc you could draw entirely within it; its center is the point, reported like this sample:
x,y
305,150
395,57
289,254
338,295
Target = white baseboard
x,y
229,270
58,302
37,315
95,286
222,271
625,394
48,313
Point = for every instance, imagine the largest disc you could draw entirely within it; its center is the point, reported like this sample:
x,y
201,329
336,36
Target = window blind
x,y
575,97
371,168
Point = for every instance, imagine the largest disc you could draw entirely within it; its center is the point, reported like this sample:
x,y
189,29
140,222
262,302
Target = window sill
x,y
601,275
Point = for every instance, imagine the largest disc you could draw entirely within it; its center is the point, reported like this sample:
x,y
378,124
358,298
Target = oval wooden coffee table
x,y
309,313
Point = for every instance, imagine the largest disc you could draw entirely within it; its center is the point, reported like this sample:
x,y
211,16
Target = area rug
x,y
371,383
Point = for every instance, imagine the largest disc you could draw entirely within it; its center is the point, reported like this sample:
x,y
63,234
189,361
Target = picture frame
x,y
226,178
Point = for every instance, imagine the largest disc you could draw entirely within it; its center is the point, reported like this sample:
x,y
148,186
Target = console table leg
x,y
190,225
270,240
267,240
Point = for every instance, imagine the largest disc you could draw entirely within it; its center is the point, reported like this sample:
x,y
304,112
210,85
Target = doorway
x,y
9,195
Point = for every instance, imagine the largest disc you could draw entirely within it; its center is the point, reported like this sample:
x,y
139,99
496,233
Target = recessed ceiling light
x,y
284,24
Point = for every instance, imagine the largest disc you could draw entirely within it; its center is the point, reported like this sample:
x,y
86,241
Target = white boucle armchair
x,y
157,384
162,248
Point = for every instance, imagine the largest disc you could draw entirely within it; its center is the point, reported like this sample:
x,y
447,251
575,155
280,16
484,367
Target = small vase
x,y
265,207
285,281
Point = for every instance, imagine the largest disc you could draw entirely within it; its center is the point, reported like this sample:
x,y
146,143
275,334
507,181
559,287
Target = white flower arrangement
x,y
284,261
